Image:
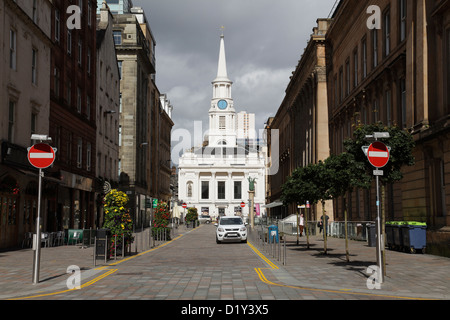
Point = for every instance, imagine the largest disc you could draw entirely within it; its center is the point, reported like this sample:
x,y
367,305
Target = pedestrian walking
x,y
324,224
301,224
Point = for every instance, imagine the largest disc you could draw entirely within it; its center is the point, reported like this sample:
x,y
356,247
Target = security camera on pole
x,y
378,155
40,156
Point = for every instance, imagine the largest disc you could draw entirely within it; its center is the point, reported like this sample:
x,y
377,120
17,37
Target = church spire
x,y
222,74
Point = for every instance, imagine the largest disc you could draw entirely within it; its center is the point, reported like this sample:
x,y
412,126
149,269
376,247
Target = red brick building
x,y
73,115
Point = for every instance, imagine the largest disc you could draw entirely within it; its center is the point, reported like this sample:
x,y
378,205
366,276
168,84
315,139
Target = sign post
x,y
40,156
378,155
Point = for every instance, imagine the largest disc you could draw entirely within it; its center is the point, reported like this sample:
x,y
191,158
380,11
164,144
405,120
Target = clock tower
x,y
222,115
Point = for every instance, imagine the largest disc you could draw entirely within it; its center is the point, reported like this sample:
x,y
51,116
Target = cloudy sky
x,y
264,40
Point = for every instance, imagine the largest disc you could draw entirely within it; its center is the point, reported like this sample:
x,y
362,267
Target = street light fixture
x,y
41,137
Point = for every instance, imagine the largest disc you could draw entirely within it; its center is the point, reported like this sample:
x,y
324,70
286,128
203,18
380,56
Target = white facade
x,y
215,178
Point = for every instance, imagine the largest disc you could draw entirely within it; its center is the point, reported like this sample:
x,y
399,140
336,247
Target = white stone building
x,y
214,178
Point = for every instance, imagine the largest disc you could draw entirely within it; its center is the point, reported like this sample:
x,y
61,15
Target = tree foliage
x,y
400,142
117,218
161,220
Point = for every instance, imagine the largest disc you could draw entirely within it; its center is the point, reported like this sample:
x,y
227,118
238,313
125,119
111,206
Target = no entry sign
x,y
242,204
184,205
378,154
41,156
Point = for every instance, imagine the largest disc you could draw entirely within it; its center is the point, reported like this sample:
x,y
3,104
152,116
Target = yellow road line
x,y
87,284
270,263
91,282
263,278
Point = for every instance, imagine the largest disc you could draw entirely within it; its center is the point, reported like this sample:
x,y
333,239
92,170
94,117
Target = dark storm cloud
x,y
263,39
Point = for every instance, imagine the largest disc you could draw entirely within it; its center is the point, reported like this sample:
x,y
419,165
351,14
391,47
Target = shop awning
x,y
273,204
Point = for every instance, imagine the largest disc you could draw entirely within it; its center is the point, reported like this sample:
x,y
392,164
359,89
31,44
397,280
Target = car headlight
x,y
220,229
243,229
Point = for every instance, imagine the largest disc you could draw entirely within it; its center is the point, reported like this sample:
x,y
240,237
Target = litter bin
x,y
398,236
371,234
102,242
273,232
414,236
389,229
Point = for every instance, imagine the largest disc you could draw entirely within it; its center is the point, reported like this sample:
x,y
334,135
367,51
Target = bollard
x,y
95,251
115,247
123,246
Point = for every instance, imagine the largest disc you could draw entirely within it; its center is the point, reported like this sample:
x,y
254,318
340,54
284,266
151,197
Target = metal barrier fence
x,y
269,243
356,230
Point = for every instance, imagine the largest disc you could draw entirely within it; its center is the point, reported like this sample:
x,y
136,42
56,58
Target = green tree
x,y
310,183
345,173
402,145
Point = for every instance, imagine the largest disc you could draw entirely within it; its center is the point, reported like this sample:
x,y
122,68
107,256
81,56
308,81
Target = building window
x,y
222,123
221,190
69,42
117,37
205,189
336,98
80,52
403,101
387,33
69,93
79,100
33,123
402,12
34,66
238,190
88,107
80,153
375,47
35,11
89,14
57,25
11,121
57,75
12,49
88,156
341,85
89,61
364,58
347,77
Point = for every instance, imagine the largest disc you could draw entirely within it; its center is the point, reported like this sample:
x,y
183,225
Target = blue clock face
x,y
222,104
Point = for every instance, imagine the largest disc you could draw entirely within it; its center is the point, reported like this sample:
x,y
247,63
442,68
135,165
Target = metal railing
x,y
356,230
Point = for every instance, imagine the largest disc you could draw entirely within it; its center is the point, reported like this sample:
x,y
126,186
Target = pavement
x,y
172,271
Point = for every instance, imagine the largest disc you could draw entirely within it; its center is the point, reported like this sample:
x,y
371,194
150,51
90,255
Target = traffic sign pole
x,y
378,155
40,156
37,239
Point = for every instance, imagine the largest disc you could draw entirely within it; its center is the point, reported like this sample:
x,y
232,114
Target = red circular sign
x,y
41,156
242,204
184,205
378,154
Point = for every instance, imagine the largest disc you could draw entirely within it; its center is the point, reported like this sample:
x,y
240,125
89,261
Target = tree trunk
x,y
325,228
346,230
